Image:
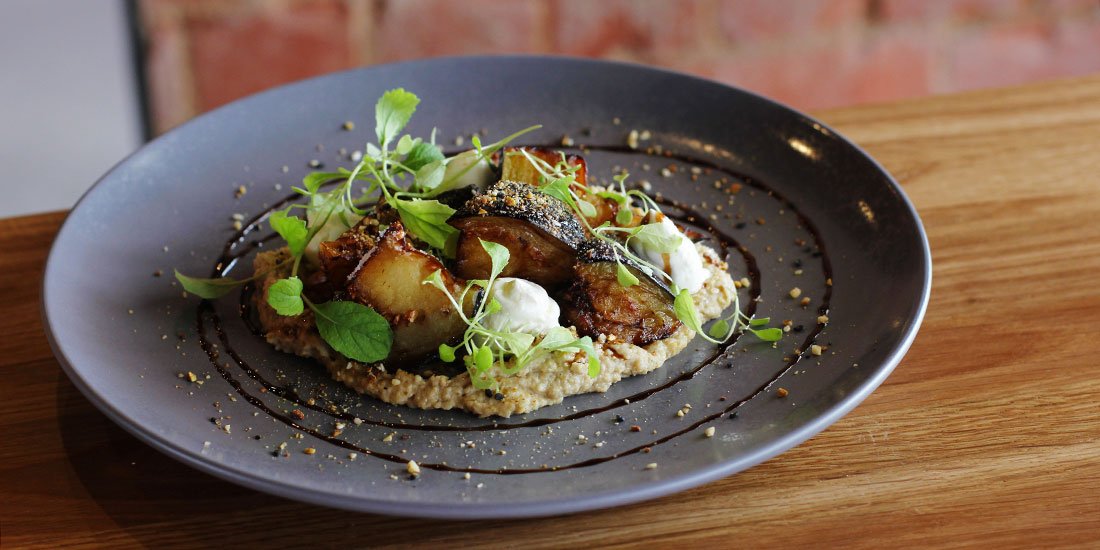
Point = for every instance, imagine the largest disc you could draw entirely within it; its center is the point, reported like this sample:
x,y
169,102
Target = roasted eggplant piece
x,y
597,304
516,167
340,257
540,232
389,280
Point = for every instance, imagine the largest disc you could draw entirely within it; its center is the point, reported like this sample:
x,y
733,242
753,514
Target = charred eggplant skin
x,y
455,198
389,279
541,234
521,201
597,304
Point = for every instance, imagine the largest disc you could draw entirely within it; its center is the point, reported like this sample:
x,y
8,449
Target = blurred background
x,y
85,83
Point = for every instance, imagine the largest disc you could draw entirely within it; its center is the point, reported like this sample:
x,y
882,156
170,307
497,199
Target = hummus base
x,y
547,380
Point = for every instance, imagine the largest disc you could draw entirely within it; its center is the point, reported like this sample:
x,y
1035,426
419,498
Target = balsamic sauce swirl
x,y
240,246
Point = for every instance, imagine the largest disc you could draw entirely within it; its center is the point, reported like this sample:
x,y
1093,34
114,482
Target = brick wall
x,y
810,54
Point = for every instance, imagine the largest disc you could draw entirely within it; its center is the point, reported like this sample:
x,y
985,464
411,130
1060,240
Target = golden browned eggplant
x,y
515,167
388,279
340,257
540,231
597,304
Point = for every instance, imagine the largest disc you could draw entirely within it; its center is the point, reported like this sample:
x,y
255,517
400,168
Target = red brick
x,y
893,66
1070,6
1017,53
240,53
650,30
1078,47
803,79
839,72
409,29
754,20
944,10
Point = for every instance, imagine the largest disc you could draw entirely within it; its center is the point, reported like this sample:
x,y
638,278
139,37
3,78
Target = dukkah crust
x,y
547,380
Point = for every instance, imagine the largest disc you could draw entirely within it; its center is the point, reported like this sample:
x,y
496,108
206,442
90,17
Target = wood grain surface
x,y
987,434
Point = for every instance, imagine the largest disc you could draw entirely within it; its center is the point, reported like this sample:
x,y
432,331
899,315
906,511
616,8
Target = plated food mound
x,y
496,280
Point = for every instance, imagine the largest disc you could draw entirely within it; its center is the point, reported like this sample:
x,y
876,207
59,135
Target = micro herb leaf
x,y
483,358
447,353
586,208
625,277
585,344
427,219
617,197
430,175
285,296
392,113
373,152
404,145
654,237
421,154
719,329
556,338
354,330
517,343
760,322
435,279
624,216
685,311
208,288
499,255
768,334
290,228
314,180
559,189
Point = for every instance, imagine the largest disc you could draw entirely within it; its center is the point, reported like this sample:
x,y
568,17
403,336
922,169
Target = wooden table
x,y
987,433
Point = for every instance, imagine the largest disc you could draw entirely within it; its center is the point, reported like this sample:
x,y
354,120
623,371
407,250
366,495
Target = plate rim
x,y
495,510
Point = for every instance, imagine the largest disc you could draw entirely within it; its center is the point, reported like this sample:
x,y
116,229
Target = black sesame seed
x,y
740,225
797,263
256,437
499,397
488,393
619,419
798,328
213,420
733,414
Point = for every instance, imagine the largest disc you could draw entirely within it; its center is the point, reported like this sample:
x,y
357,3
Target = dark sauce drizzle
x,y
240,247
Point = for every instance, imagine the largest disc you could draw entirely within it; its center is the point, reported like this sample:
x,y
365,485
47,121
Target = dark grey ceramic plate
x,y
806,205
